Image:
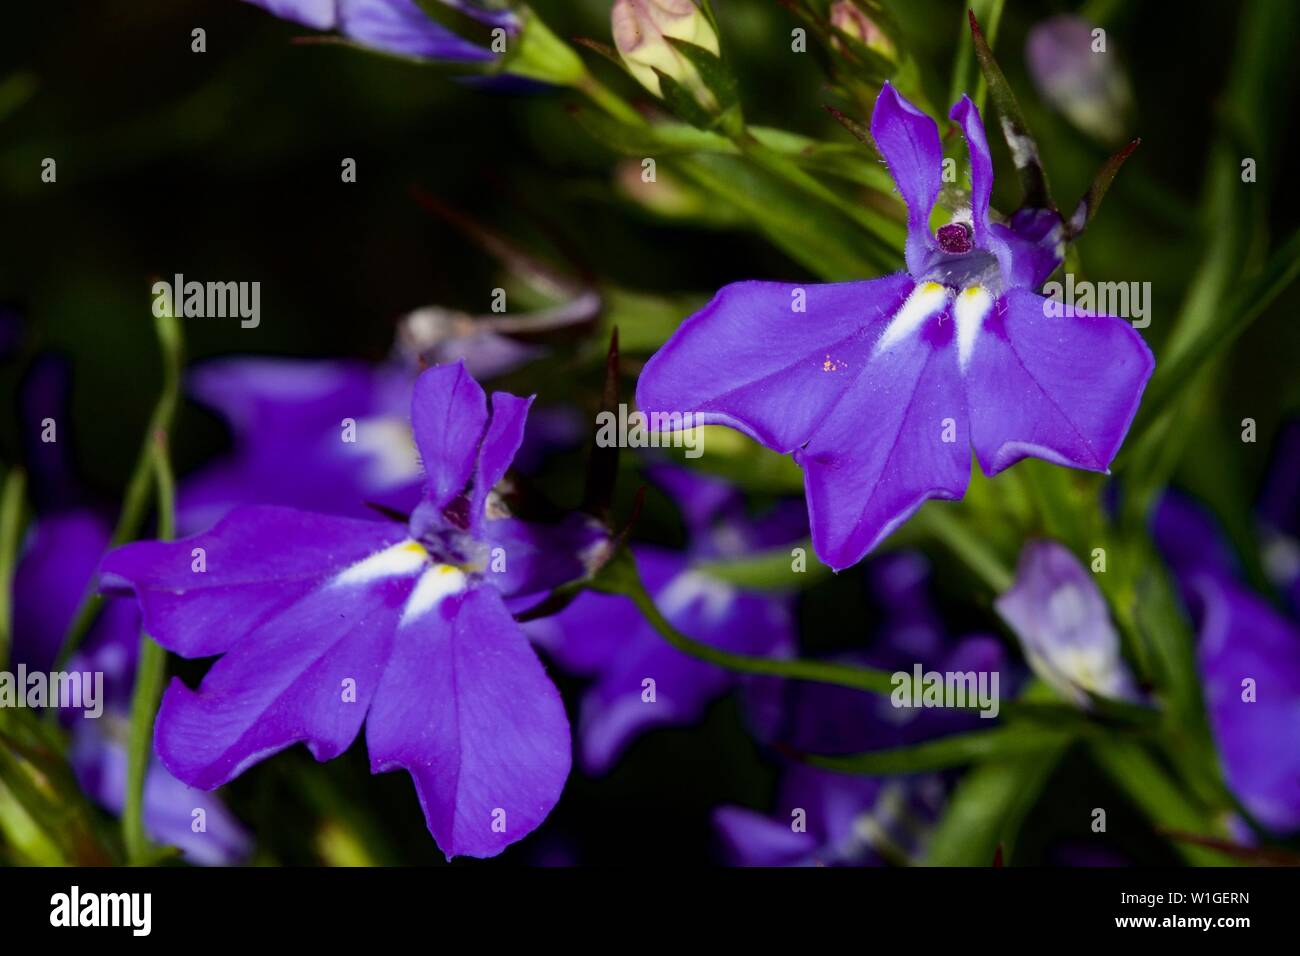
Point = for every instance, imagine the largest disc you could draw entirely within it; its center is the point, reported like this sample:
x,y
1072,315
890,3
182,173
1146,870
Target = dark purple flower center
x,y
955,238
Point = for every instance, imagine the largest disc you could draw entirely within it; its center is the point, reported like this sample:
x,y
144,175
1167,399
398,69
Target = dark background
x,y
226,164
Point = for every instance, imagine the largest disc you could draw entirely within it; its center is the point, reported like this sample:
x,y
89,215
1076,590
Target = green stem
x,y
11,520
149,675
609,101
135,501
972,550
626,581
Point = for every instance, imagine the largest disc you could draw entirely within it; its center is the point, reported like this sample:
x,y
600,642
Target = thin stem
x,y
628,583
11,519
149,675
135,501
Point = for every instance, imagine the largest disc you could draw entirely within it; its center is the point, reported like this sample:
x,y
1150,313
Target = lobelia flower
x,y
323,622
1078,76
1061,619
605,637
58,563
830,819
395,26
322,435
1248,652
879,389
327,435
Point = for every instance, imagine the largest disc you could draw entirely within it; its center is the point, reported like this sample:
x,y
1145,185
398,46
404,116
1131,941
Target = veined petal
x,y
897,437
202,594
909,141
752,360
449,415
1061,388
465,450
308,673
466,708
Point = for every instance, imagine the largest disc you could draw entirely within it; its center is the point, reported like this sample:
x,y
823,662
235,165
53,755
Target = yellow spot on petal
x,y
971,291
447,569
932,287
414,547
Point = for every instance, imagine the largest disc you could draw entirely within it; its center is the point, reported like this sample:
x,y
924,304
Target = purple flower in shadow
x,y
323,622
1057,611
639,680
326,435
399,27
880,389
822,818
1249,651
58,564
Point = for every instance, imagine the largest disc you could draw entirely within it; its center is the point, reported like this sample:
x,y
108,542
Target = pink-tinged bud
x,y
848,17
1080,76
641,30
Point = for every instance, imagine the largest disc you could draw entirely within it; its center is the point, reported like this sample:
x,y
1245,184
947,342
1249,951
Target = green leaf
x,y
1000,743
1165,803
715,75
823,240
987,808
1015,128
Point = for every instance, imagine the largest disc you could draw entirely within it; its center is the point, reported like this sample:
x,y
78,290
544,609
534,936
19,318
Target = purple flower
x,y
323,623
879,389
1057,611
639,680
829,819
394,26
1248,656
329,436
62,554
1079,76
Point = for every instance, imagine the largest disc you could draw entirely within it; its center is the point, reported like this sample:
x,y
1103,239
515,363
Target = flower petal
x,y
449,415
306,673
909,141
751,361
898,436
1061,388
1057,611
465,706
1243,638
256,562
751,839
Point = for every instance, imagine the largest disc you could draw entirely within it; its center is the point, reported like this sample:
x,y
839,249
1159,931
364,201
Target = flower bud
x,y
848,17
1057,611
641,30
1079,76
